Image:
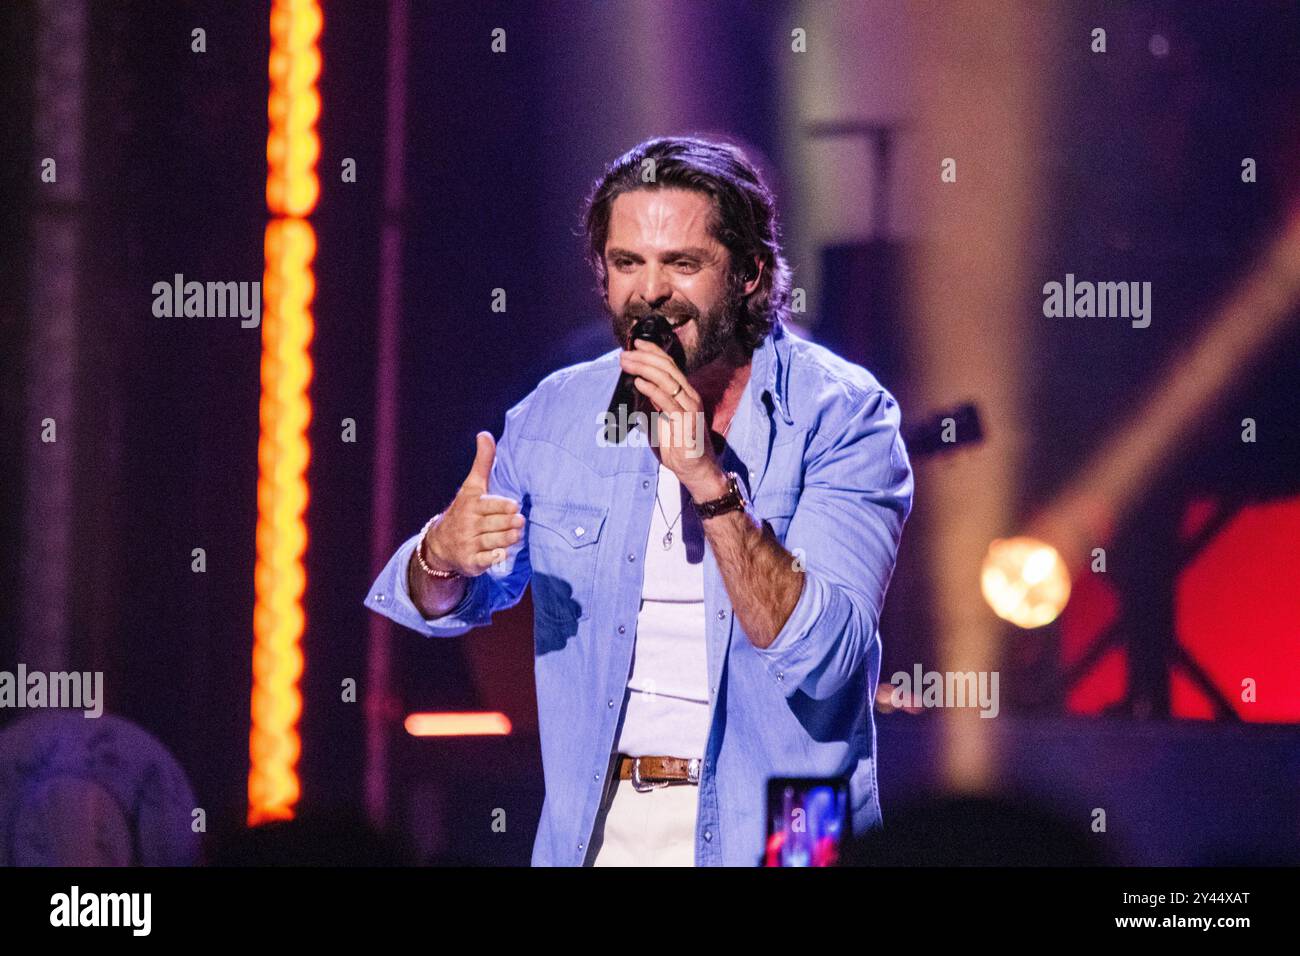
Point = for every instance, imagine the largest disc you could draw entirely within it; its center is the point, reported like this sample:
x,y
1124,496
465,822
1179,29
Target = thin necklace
x,y
667,539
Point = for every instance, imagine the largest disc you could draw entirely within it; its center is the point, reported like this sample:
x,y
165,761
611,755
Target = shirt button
x,y
631,556
780,675
381,598
611,702
645,484
579,846
722,615
595,776
579,531
622,629
708,836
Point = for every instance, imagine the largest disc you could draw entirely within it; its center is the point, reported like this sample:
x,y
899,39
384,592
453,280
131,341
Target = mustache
x,y
677,315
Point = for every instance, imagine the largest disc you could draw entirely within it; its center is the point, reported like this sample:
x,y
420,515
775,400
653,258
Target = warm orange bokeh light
x,y
1025,581
288,288
457,725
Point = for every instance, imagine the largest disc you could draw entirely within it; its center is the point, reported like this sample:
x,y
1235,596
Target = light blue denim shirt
x,y
816,442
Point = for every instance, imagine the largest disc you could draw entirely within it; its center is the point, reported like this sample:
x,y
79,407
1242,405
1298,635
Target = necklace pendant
x,y
668,540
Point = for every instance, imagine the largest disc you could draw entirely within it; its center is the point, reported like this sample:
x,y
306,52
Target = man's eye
x,y
687,265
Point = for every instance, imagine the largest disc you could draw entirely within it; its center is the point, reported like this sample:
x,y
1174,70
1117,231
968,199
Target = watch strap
x,y
733,500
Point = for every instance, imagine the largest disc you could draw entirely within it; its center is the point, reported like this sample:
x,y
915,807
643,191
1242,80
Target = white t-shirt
x,y
668,689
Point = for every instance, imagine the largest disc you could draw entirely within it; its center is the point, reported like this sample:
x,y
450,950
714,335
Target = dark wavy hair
x,y
744,218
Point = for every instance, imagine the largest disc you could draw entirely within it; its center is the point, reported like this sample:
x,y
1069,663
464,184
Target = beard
x,y
714,330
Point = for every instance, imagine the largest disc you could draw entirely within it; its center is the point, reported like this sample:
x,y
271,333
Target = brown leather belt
x,y
649,773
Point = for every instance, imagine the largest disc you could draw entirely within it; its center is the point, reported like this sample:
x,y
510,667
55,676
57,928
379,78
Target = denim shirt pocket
x,y
776,507
562,541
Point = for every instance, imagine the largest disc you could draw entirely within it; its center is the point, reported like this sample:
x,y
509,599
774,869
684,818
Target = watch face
x,y
735,497
739,489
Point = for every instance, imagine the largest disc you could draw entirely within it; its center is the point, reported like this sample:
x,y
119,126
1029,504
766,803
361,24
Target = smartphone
x,y
807,821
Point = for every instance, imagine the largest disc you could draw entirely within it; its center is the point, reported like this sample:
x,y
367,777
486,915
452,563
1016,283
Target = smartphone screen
x,y
807,820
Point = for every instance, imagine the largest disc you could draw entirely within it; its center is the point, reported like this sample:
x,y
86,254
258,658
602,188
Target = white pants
x,y
653,828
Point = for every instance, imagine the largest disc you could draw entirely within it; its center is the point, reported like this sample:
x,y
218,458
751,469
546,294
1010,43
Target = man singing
x,y
707,599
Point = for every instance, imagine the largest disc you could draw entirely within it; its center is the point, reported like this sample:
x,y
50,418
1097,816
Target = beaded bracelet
x,y
419,554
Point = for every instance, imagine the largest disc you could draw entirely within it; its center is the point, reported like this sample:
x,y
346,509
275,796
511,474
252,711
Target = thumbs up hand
x,y
477,528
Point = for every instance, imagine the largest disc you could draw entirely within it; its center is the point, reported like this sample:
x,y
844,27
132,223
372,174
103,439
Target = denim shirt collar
x,y
768,391
771,368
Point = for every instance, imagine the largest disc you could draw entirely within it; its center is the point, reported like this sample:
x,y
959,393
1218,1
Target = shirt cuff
x,y
791,647
820,616
391,597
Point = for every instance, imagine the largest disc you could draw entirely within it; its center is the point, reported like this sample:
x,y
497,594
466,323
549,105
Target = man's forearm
x,y
758,573
432,597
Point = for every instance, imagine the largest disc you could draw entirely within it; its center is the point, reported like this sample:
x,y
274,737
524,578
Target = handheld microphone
x,y
626,400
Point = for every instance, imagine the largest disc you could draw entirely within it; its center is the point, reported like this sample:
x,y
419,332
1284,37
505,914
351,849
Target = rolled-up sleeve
x,y
499,588
857,495
391,597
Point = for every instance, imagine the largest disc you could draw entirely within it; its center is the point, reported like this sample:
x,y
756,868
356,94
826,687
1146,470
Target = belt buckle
x,y
642,786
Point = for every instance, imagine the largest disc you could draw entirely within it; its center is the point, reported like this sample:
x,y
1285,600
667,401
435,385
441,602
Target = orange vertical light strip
x,y
288,287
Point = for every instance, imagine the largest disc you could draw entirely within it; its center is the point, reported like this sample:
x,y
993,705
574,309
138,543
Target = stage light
x,y
1025,581
1085,515
289,285
484,724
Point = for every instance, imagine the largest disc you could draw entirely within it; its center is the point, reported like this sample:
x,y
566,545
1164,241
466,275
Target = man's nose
x,y
655,289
